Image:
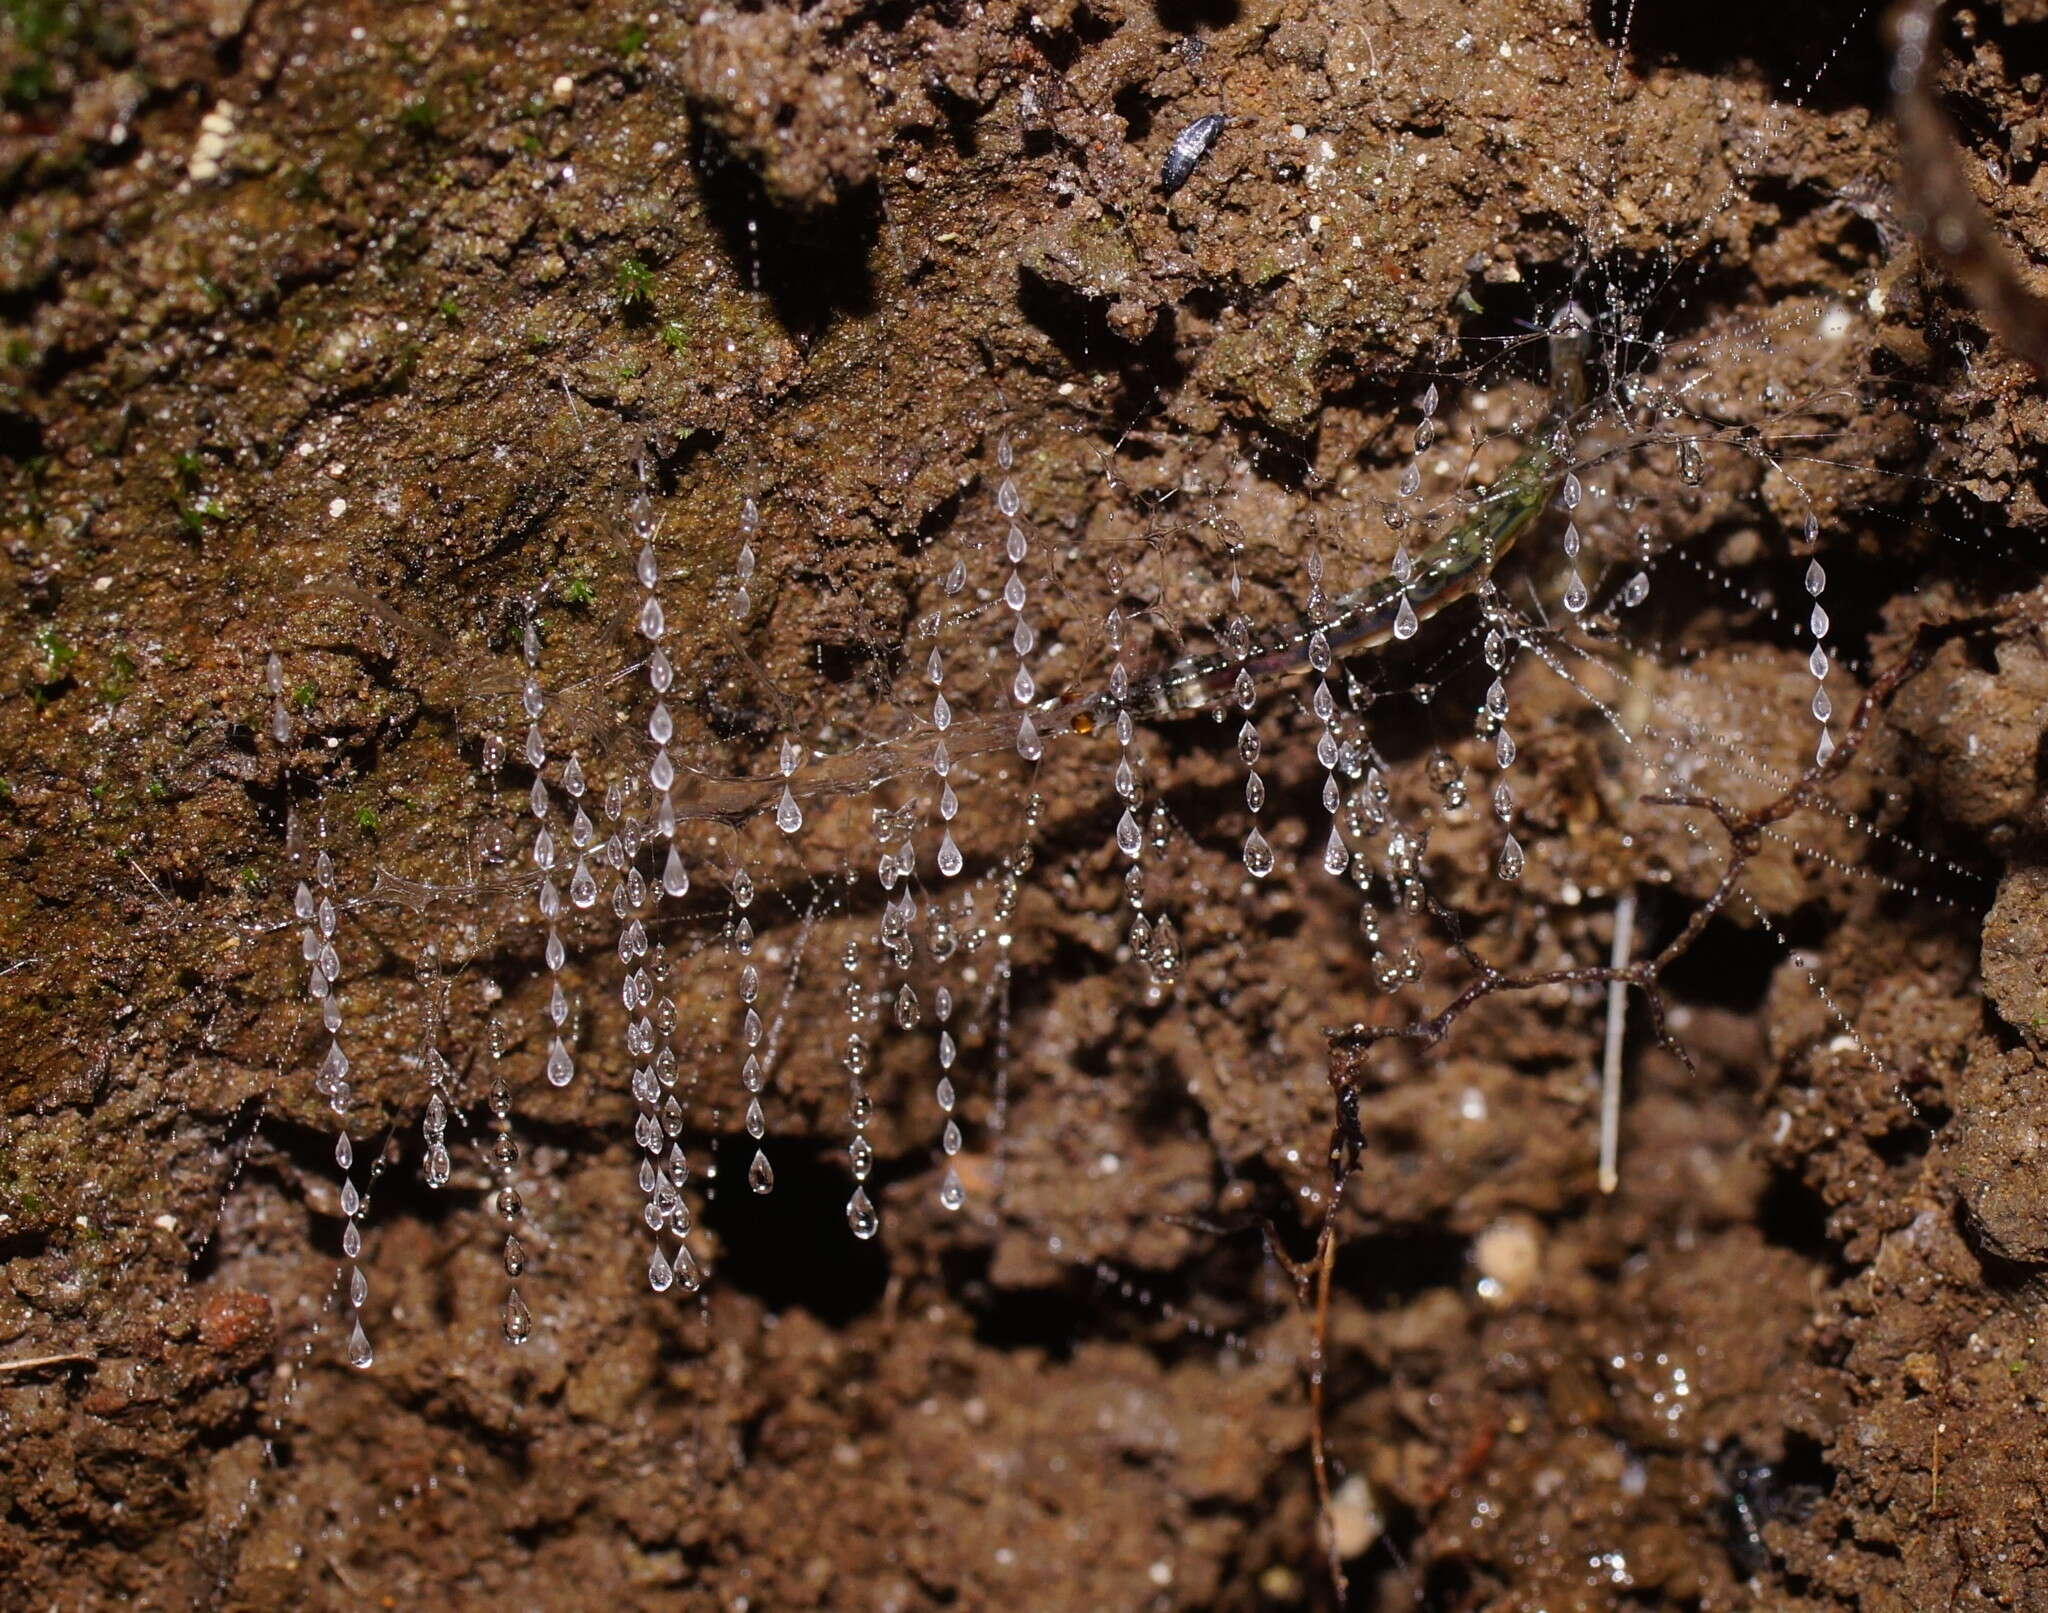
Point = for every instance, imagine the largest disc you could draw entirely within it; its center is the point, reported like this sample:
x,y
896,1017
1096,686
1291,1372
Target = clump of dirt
x,y
309,312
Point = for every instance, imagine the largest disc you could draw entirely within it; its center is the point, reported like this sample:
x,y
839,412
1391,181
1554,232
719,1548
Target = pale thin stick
x,y
1617,1026
30,1363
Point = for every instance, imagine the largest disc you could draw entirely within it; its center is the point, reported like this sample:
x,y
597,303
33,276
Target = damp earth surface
x,y
335,333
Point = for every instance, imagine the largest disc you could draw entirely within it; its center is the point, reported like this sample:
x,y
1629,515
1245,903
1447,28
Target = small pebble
x,y
1508,1255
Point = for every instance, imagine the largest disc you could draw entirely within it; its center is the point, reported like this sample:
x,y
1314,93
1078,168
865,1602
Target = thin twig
x,y
1943,210
33,1363
1617,1025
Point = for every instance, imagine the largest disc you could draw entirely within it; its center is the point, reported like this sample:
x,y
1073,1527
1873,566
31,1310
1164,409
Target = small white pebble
x,y
1509,1254
1355,1521
101,584
166,1223
337,508
563,89
1161,1573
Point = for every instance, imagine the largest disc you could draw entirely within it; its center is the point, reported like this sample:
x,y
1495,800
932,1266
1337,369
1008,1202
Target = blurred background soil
x,y
395,291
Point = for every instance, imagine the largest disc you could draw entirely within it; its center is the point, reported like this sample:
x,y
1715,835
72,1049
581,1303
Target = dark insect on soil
x,y
1189,147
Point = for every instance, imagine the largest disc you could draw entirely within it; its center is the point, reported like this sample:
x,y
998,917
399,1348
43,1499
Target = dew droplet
x,y
951,1194
1405,624
1510,864
360,1355
582,887
760,1174
1691,467
1258,855
950,860
1636,589
561,1069
789,817
518,1320
860,1215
